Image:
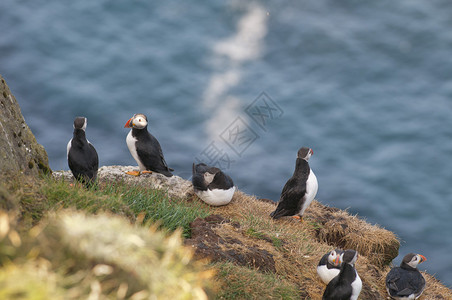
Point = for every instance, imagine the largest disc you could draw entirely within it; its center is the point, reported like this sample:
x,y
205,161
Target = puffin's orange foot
x,y
146,172
133,173
297,217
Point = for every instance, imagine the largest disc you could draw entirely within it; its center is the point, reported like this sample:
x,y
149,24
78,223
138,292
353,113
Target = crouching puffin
x,y
347,284
81,156
299,190
406,282
145,148
212,185
329,265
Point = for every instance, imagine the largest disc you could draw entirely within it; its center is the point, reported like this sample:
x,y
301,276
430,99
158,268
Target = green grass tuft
x,y
171,213
277,243
37,197
255,234
244,283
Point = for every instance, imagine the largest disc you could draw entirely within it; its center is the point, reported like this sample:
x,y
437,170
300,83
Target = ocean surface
x,y
366,85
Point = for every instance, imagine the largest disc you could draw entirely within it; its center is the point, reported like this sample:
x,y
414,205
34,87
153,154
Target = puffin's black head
x,y
305,153
412,260
138,121
210,174
349,256
80,123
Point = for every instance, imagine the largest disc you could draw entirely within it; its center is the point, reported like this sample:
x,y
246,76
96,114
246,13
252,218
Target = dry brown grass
x,y
297,247
338,228
434,289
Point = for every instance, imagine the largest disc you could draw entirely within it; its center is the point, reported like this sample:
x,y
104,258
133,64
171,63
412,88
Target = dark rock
x,y
19,151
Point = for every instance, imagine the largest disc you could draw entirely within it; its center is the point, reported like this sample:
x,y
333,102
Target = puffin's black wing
x,y
83,161
291,198
391,281
94,161
336,291
402,283
221,181
151,155
163,159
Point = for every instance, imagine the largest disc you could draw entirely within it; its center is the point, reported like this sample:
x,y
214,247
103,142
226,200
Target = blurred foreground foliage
x,y
71,255
62,241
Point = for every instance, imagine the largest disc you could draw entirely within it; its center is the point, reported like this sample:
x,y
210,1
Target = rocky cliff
x,y
255,256
19,150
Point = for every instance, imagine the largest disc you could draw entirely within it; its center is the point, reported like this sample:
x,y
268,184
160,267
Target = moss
x,y
44,167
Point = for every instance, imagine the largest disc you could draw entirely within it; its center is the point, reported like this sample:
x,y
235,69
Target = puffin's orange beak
x,y
337,261
128,124
422,258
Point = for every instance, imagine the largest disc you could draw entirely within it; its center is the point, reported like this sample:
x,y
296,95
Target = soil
x,y
208,244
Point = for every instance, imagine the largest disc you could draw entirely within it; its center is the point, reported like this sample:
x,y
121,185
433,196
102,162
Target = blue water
x,y
367,85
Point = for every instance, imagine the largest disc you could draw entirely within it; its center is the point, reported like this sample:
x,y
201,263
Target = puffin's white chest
x,y
216,197
327,274
356,287
69,147
311,191
131,144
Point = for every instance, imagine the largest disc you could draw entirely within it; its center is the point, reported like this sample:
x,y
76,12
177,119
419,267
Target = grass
x,y
276,242
171,213
242,283
254,233
36,197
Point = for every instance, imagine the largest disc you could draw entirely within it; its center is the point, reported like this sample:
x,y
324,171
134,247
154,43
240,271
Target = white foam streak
x,y
223,116
246,44
229,56
219,84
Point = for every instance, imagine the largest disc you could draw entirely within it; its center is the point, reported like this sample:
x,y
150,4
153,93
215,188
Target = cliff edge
x,y
247,246
19,150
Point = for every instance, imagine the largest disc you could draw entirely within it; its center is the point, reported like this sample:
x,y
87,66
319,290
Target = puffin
x,y
329,265
299,190
145,148
406,282
82,157
347,284
212,185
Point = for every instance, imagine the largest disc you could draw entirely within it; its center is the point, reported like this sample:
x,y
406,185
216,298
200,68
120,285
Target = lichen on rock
x,y
19,150
174,185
